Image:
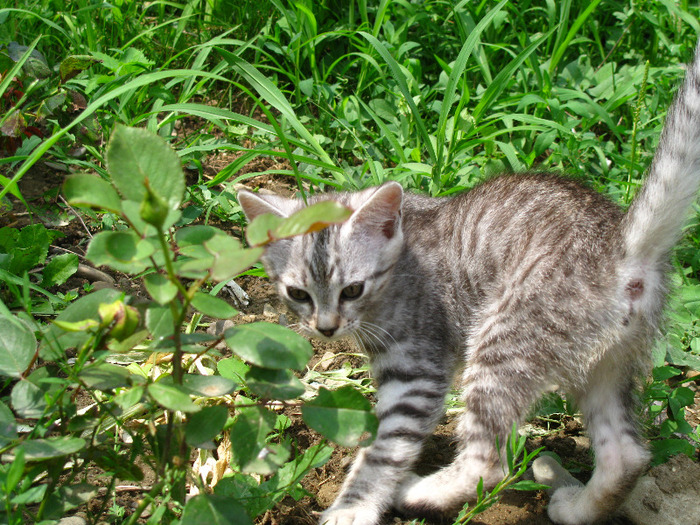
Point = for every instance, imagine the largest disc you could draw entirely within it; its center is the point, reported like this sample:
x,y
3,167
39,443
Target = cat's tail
x,y
655,219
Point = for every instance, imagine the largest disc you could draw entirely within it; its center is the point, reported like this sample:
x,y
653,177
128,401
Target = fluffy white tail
x,y
654,222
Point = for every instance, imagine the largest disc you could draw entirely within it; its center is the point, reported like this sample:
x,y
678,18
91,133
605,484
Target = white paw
x,y
355,515
429,496
565,508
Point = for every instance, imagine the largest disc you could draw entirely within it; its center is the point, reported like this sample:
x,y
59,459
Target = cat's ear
x,y
381,212
254,204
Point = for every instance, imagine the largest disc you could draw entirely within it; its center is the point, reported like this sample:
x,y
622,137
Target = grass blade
x,y
400,79
501,81
273,96
456,74
559,51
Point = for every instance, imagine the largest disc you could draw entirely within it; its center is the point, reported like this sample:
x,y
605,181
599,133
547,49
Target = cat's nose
x,y
328,332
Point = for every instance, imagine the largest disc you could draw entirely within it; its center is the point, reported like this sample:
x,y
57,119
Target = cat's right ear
x,y
254,204
381,212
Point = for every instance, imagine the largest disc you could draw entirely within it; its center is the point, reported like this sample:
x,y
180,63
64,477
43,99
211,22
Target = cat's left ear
x,y
254,204
381,211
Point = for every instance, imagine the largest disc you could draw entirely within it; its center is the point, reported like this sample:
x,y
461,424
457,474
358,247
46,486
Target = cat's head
x,y
333,277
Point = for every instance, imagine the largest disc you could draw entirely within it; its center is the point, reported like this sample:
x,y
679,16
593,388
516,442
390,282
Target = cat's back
x,y
514,221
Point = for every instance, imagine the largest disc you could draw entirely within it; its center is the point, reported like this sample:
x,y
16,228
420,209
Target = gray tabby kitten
x,y
526,281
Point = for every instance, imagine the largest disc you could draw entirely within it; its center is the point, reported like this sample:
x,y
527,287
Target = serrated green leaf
x,y
230,258
267,227
17,346
213,306
233,368
135,155
160,288
59,270
342,415
27,248
661,373
269,345
663,449
268,383
52,447
205,425
683,395
261,229
83,189
311,219
172,397
210,509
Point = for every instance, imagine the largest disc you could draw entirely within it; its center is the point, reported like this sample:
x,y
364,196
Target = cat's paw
x,y
350,515
565,507
416,497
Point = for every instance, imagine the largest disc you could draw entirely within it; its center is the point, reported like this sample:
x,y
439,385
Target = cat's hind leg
x,y
620,455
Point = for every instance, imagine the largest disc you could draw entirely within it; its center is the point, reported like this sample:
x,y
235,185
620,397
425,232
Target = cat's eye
x,y
298,294
352,291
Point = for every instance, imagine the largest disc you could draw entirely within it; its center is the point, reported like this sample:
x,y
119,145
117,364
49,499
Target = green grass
x,y
437,95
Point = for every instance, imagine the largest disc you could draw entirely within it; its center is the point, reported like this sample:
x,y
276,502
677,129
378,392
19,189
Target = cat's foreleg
x,y
410,403
496,395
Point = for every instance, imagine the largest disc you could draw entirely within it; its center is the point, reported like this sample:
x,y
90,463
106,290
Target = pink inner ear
x,y
389,227
383,210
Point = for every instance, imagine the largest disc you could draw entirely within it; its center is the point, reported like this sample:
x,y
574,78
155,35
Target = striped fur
x,y
525,281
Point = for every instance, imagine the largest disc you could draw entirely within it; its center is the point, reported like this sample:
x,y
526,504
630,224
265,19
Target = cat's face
x,y
332,279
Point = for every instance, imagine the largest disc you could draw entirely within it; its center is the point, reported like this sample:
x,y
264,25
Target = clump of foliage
x,y
179,397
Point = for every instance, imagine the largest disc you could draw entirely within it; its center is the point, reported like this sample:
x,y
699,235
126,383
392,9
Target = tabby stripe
x,y
427,394
404,409
408,434
406,376
475,234
379,273
372,459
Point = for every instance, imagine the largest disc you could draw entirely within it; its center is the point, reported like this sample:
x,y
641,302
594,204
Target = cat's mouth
x,y
328,334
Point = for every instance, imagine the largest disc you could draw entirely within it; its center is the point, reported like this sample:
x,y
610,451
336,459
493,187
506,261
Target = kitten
x,y
525,281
